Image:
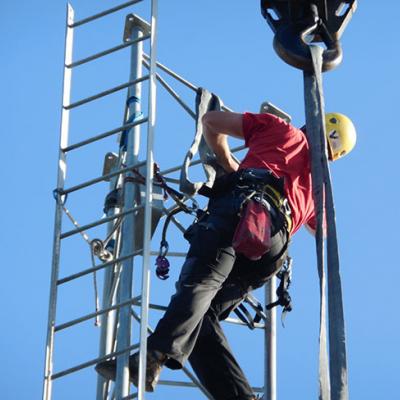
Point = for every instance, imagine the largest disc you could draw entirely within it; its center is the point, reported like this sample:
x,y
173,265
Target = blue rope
x,y
132,99
134,117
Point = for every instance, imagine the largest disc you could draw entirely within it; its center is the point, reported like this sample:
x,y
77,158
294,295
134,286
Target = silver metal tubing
x,y
182,80
91,315
104,135
190,384
100,222
61,175
177,383
97,268
108,321
108,330
110,263
270,343
131,396
236,321
93,362
100,179
157,307
260,313
174,169
105,93
173,93
173,74
128,231
145,289
176,97
106,52
178,225
103,13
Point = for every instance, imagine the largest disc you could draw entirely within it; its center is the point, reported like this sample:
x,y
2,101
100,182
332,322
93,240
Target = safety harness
x,y
283,299
264,186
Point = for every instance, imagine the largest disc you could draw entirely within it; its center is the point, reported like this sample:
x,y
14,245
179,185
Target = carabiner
x,y
164,247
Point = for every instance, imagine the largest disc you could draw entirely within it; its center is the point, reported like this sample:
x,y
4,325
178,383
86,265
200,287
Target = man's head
x,y
341,135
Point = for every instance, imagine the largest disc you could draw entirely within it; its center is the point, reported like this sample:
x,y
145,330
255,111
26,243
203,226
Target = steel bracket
x,y
131,21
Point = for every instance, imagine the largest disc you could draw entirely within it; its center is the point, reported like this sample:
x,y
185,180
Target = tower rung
x,y
92,315
239,322
97,268
106,52
172,73
177,383
103,13
106,93
104,135
100,222
100,179
172,92
112,262
92,362
132,301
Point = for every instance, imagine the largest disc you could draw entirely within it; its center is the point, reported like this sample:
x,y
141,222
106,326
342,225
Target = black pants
x,y
213,281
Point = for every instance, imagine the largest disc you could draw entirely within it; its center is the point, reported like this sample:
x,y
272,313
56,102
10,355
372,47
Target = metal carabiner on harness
x,y
284,300
162,262
303,22
100,250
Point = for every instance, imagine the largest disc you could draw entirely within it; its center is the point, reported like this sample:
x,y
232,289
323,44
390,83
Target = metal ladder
x,y
132,212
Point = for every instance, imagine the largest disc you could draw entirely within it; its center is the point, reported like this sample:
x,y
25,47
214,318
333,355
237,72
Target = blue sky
x,y
226,47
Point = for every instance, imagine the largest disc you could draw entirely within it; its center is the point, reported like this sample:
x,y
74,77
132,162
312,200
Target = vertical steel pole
x,y
148,201
270,343
128,225
108,320
62,170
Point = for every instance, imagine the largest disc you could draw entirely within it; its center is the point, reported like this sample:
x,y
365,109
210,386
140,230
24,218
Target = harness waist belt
x,y
259,180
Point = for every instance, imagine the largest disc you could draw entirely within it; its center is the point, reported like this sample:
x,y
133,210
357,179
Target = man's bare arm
x,y
218,125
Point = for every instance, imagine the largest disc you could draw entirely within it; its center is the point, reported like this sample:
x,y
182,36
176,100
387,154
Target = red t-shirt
x,y
282,148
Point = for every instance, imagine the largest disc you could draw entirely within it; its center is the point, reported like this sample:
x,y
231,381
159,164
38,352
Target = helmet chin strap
x,y
330,155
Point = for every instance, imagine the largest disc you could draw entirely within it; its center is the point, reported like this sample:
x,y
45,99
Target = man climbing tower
x,y
215,278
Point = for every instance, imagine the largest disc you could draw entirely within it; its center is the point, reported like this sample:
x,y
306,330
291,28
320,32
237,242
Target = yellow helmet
x,y
341,135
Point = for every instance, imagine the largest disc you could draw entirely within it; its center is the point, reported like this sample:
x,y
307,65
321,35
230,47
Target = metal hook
x,y
290,43
294,22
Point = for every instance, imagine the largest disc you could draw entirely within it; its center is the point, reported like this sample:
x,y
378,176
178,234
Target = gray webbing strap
x,y
205,101
332,380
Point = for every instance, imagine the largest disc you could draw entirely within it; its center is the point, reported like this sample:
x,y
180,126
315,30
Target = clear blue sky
x,y
225,46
